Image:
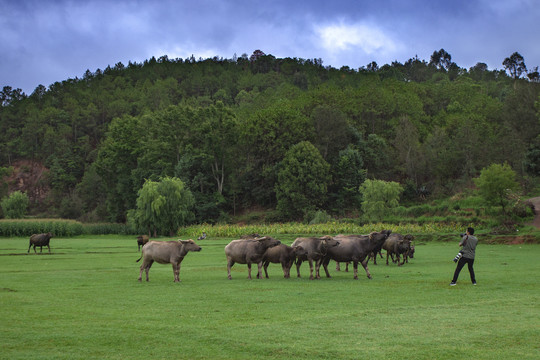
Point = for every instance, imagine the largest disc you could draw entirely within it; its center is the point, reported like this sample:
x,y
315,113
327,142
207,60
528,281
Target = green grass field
x,y
84,302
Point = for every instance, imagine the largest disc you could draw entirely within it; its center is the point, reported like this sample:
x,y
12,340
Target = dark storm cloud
x,y
47,41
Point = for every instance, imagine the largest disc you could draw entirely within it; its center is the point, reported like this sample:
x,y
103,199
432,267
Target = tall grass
x,y
316,229
59,227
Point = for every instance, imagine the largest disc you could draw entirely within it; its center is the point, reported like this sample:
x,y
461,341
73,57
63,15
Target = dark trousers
x,y
461,263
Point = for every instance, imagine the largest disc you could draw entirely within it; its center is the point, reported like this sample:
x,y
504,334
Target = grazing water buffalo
x,y
166,252
40,240
355,248
316,248
248,251
141,240
397,244
284,255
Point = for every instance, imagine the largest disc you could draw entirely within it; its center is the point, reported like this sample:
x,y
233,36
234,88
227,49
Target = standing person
x,y
469,242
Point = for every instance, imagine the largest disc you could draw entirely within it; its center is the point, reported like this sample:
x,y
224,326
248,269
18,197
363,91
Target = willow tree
x,y
380,198
163,207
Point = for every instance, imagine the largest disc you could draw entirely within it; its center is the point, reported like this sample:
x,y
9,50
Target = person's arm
x,y
464,240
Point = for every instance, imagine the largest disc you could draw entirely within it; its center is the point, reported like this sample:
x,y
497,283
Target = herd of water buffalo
x,y
263,250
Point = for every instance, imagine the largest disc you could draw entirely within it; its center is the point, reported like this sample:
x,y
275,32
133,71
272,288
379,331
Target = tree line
x,y
263,132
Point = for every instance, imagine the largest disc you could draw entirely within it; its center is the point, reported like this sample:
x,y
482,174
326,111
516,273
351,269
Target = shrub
x,y
15,205
320,217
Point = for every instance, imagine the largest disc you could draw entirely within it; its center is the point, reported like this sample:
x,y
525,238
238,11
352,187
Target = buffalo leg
x,y
286,268
298,263
266,268
230,263
259,270
337,266
311,270
364,264
176,272
49,246
355,267
147,270
249,271
29,248
145,266
325,263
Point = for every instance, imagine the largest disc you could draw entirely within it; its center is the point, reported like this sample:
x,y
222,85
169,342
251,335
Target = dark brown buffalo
x,y
40,240
409,254
141,240
284,255
248,251
397,244
355,248
166,252
316,248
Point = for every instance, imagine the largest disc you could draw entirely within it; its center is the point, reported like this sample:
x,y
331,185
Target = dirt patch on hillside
x,y
29,177
511,240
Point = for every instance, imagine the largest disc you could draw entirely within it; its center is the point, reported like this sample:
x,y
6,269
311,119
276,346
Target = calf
x,y
284,255
40,240
166,252
141,240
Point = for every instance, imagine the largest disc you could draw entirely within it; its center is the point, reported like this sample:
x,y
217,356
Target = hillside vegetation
x,y
235,131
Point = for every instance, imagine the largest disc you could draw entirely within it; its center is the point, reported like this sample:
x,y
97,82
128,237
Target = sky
x,y
45,41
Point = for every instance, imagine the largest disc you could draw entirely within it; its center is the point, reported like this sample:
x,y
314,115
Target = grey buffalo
x,y
284,255
166,252
40,240
141,240
248,251
355,248
316,248
397,244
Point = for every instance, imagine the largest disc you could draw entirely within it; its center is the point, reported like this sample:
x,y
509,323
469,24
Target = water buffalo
x,y
166,252
141,240
40,240
284,255
397,244
409,254
355,248
248,251
316,248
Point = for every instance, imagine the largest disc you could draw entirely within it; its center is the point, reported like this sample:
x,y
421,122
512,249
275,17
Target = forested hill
x,y
231,128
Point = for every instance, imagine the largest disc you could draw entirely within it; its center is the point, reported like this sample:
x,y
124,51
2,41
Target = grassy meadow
x,y
83,301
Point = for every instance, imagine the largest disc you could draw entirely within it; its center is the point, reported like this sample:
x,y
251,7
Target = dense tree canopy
x,y
226,128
